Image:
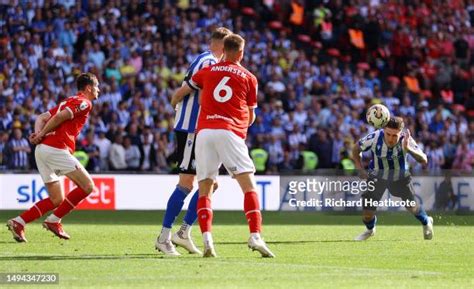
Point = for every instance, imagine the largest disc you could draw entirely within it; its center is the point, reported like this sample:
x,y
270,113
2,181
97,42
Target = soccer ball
x,y
378,115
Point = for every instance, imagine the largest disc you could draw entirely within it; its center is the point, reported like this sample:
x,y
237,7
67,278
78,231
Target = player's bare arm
x,y
52,123
356,154
416,153
41,121
252,116
179,95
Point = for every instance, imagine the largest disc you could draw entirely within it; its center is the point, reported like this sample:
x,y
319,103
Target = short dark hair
x,y
84,80
396,122
233,43
220,33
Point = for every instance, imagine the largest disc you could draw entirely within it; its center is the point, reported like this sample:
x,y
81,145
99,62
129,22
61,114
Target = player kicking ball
x,y
228,100
389,169
187,110
55,136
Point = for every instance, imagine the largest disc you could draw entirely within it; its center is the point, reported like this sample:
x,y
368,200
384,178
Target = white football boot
x,y
428,229
365,235
179,239
166,247
257,244
209,251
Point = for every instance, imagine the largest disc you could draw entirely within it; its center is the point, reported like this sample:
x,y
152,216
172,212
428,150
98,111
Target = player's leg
x,y
207,167
55,192
235,156
176,202
17,224
183,236
368,210
85,186
191,213
252,213
205,216
173,208
187,172
404,189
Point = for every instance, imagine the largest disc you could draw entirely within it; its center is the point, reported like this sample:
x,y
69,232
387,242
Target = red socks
x,y
252,212
70,202
38,210
204,213
251,208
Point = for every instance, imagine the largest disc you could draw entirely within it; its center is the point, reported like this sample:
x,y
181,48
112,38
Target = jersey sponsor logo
x,y
218,116
103,196
83,106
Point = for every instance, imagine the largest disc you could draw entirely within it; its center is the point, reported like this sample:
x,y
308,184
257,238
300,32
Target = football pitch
x,y
314,250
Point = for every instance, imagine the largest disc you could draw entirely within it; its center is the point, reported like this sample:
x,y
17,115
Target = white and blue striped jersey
x,y
387,163
187,110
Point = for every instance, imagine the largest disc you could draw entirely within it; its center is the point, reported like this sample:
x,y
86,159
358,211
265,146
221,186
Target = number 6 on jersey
x,y
223,87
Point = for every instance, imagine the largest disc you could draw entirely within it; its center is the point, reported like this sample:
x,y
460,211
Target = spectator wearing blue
x,y
20,149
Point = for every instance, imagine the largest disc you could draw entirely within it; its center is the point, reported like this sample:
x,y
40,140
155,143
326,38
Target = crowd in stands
x,y
320,65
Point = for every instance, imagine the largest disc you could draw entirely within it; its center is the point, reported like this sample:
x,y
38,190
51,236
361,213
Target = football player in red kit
x,y
228,102
55,137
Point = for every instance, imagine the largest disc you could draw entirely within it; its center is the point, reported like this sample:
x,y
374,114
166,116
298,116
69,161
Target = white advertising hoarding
x,y
132,192
151,192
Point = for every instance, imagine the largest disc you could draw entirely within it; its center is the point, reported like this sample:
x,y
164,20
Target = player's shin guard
x,y
70,202
191,213
174,206
204,212
252,212
422,216
38,210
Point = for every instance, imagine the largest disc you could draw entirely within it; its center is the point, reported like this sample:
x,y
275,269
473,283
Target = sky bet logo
x,y
32,193
102,198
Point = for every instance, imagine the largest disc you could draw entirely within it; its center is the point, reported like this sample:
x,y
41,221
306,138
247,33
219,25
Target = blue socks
x,y
174,206
371,224
191,214
422,216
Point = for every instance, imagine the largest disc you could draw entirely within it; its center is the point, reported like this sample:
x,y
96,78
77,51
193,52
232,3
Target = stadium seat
x,y
248,11
363,66
277,25
427,93
461,108
346,58
334,52
233,4
317,44
304,38
393,79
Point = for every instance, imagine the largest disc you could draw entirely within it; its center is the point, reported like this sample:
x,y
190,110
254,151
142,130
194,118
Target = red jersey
x,y
228,90
64,136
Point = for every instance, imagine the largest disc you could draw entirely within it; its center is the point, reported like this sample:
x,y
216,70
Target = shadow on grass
x,y
270,218
303,242
80,257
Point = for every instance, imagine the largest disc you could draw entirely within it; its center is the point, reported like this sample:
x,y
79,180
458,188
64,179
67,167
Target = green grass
x,y
116,249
